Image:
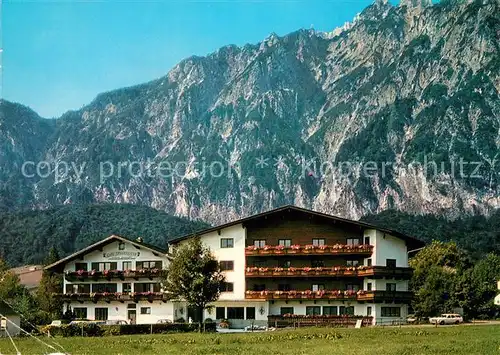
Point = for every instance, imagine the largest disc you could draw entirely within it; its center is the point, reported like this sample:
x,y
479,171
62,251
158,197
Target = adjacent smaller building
x,y
10,321
497,298
29,276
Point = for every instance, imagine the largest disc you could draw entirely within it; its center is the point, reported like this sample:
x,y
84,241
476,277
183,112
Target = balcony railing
x,y
361,295
335,271
110,296
392,296
112,274
388,272
337,249
307,294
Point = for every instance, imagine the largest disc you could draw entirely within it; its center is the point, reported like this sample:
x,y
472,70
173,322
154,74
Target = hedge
x,y
71,330
90,329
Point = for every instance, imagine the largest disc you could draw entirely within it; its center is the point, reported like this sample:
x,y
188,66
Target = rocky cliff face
x,y
374,116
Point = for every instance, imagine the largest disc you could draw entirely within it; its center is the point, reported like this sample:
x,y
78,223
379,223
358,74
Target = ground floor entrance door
x,y
195,314
132,316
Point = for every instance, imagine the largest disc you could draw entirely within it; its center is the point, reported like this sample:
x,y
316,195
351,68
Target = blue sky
x,y
58,55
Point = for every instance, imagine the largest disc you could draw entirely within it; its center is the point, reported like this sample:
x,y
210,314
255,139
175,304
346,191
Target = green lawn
x,y
466,340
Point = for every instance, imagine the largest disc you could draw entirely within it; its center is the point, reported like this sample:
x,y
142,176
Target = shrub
x,y
69,330
129,329
91,329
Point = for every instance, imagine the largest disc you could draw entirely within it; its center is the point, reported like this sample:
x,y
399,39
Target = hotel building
x,y
293,261
279,265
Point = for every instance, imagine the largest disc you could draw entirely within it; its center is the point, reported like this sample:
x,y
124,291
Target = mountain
x,y
28,236
23,137
349,122
478,235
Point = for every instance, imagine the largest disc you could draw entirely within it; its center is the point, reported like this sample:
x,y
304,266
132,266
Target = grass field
x,y
462,340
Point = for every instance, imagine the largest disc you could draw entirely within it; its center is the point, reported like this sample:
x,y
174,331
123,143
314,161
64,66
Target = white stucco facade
x,y
384,295
122,256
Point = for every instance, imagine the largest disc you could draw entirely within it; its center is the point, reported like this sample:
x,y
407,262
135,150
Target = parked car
x,y
164,321
116,322
84,321
447,318
57,323
411,319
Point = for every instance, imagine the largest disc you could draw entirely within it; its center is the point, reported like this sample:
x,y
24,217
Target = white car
x,y
448,318
116,322
57,323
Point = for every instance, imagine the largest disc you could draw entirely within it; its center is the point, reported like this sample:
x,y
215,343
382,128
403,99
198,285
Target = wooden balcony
x,y
398,273
110,297
361,296
335,271
386,296
304,295
82,275
337,249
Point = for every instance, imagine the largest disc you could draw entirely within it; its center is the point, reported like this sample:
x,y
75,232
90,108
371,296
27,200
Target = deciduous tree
x,y
194,275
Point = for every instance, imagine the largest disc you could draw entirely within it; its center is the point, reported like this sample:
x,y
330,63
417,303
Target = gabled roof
x,y
415,242
108,240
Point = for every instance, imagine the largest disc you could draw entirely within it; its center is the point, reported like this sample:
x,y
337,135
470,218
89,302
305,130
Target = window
x,y
352,241
313,310
81,266
101,314
259,263
227,243
259,243
317,263
369,286
227,287
149,265
235,312
318,287
80,312
368,262
352,262
131,306
259,287
250,312
284,287
286,310
352,287
226,265
369,311
390,262
330,311
285,242
346,311
147,287
285,263
121,246
104,266
390,287
126,287
127,265
367,240
145,310
391,312
220,312
78,288
318,242
101,288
